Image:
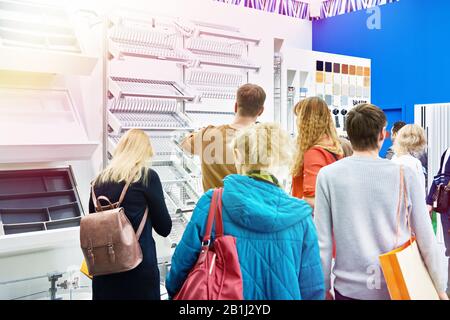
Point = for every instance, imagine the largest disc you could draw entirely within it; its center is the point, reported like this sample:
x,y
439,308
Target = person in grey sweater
x,y
356,201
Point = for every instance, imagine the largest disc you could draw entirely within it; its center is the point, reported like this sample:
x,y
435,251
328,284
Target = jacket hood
x,y
261,206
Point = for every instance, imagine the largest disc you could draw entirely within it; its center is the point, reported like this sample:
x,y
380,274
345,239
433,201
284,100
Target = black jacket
x,y
143,282
443,176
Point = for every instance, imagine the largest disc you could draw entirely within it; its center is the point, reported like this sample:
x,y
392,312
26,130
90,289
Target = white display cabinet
x,y
36,37
44,143
342,81
41,125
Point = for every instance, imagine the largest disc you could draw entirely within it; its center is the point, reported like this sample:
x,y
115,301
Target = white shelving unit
x,y
156,106
35,37
41,126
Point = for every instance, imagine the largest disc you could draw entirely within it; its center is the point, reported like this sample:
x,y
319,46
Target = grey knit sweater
x,y
356,198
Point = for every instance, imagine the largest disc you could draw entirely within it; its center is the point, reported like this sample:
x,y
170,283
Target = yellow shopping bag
x,y
84,269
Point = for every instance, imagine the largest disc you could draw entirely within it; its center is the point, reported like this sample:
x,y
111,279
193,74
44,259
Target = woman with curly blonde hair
x,y
317,146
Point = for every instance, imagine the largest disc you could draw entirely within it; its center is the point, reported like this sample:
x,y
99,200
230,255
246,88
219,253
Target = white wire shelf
x,y
146,37
120,121
204,30
141,51
214,79
131,104
170,172
215,59
182,194
178,227
131,87
215,118
207,46
215,93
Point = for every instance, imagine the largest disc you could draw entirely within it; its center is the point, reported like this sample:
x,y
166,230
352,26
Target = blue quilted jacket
x,y
275,236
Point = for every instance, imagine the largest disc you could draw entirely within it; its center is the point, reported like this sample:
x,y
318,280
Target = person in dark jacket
x,y
395,129
130,164
443,177
275,235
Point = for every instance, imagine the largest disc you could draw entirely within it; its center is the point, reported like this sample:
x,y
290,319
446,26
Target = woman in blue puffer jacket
x,y
275,235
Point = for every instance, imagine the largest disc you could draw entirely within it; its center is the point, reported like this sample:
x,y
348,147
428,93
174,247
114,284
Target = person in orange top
x,y
318,145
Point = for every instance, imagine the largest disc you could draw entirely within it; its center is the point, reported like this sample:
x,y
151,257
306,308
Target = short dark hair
x,y
250,99
397,126
364,124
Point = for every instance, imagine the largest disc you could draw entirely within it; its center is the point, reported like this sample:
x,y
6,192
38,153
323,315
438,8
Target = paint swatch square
x,y
319,77
367,72
359,91
328,99
328,67
328,89
345,79
353,81
352,70
336,89
359,81
352,91
366,81
337,78
336,67
359,71
367,93
328,77
344,69
319,65
344,101
345,90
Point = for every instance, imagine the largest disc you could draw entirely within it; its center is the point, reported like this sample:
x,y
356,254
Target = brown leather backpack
x,y
107,238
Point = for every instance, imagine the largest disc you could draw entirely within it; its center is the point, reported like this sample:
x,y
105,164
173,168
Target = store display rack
x,y
211,62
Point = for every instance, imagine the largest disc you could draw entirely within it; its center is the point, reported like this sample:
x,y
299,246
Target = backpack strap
x,y
215,213
319,147
333,154
142,224
96,201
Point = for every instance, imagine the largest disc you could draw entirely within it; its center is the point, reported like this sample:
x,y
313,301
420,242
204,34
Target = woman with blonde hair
x,y
275,236
130,164
317,146
409,145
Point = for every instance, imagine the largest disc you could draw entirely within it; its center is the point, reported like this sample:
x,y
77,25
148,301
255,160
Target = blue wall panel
x,y
410,52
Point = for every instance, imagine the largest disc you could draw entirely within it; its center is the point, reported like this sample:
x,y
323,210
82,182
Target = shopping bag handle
x,y
403,195
215,213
